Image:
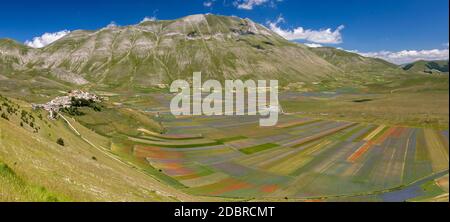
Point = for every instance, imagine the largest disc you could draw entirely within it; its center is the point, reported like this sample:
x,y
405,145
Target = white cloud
x,y
313,45
148,19
408,56
112,25
208,4
46,39
250,4
323,36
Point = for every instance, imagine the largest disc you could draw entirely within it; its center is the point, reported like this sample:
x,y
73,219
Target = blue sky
x,y
372,27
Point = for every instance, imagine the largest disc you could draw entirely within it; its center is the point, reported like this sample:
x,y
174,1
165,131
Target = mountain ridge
x,y
353,62
157,52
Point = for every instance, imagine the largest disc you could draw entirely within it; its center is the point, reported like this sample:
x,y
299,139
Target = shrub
x,y
96,107
73,111
24,113
4,116
81,102
86,103
5,170
60,141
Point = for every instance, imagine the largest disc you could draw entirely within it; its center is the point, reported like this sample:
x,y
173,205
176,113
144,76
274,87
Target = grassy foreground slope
x,y
14,188
33,167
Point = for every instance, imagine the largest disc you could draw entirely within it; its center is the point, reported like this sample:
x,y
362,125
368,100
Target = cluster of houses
x,y
55,105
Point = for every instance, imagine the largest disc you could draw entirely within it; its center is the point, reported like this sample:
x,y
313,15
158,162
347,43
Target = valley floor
x,y
328,146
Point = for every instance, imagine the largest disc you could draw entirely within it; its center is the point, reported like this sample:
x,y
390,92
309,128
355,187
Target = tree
x,y
60,141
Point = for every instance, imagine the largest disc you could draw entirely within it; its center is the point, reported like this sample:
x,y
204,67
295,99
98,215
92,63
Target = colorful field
x,y
300,158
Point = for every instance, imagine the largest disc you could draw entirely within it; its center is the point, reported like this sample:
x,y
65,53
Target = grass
x,y
231,139
258,148
112,121
411,106
431,190
14,188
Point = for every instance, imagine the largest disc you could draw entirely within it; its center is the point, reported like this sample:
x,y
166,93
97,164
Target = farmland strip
x,y
364,148
438,153
170,137
259,148
312,138
297,123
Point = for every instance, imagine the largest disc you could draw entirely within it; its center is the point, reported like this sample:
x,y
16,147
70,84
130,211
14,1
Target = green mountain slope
x,y
427,66
354,63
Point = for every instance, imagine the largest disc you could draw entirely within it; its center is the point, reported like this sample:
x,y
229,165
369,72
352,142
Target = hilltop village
x,y
73,98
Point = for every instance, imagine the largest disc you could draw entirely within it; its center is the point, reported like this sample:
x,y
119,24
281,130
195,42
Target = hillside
x,y
34,167
427,67
354,63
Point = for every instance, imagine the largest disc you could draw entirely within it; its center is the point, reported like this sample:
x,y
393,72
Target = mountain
x,y
158,52
354,63
440,66
11,54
